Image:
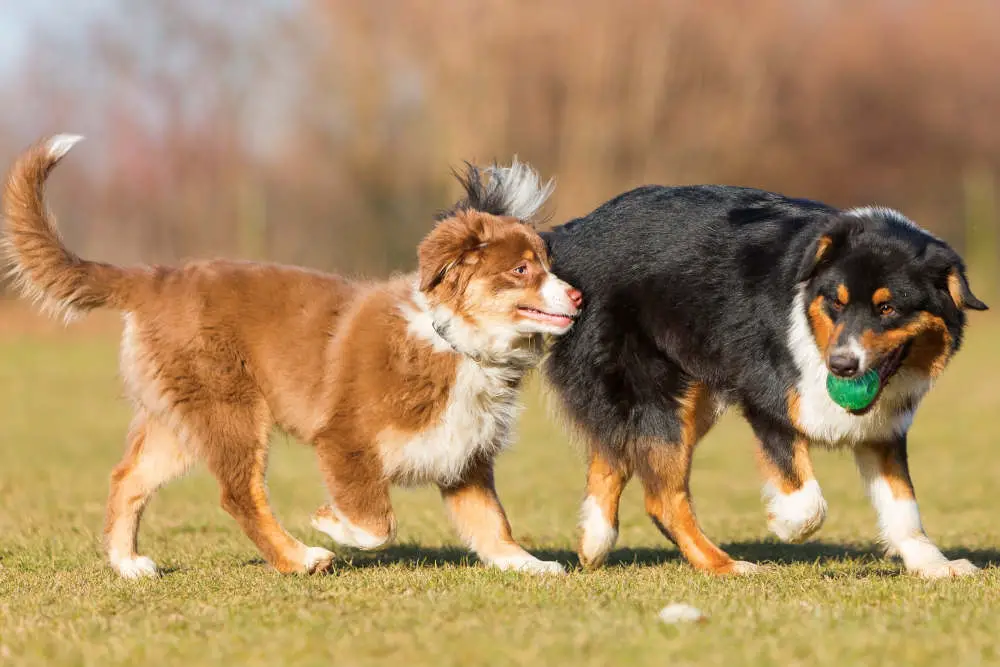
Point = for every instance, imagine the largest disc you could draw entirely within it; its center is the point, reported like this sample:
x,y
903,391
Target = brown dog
x,y
410,381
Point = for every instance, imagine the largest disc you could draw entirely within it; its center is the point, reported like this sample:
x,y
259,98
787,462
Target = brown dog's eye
x,y
521,269
886,310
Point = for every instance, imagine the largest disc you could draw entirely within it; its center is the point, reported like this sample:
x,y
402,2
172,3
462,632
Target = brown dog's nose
x,y
575,295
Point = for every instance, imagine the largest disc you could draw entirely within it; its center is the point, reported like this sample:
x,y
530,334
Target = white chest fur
x,y
478,420
822,420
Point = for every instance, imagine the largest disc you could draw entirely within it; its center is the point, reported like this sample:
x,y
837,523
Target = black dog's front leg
x,y
795,505
886,475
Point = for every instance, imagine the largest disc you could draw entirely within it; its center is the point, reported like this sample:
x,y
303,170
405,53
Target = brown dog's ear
x,y
436,259
824,247
444,248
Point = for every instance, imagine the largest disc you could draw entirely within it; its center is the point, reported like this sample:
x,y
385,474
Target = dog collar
x,y
442,331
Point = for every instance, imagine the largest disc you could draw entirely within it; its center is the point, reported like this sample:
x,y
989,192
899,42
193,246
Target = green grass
x,y
424,602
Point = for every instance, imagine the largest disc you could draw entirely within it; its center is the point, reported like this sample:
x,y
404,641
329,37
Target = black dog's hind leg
x,y
665,470
607,476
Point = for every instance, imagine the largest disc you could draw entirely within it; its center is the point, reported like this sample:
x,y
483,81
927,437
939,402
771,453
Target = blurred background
x,y
322,132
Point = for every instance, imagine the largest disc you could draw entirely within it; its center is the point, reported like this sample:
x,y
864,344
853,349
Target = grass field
x,y
830,601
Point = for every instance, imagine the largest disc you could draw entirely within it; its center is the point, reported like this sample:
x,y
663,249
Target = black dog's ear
x,y
823,248
948,272
961,294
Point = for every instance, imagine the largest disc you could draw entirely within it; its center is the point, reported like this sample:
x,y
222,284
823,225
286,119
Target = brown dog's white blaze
x,y
413,380
559,304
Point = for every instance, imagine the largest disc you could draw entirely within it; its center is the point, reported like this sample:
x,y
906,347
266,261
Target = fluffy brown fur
x,y
413,380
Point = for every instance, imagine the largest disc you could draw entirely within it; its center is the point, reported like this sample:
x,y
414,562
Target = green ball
x,y
853,393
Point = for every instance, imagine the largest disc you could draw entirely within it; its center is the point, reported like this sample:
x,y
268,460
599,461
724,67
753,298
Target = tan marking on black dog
x,y
955,288
881,296
665,473
822,247
932,344
802,470
822,326
894,470
697,412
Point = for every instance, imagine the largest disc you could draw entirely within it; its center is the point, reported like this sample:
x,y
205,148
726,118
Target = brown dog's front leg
x,y
483,526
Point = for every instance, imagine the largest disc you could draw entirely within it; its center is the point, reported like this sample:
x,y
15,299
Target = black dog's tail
x,y
514,191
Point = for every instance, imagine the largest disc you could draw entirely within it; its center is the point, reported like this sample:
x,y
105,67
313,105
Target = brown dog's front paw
x,y
741,567
317,559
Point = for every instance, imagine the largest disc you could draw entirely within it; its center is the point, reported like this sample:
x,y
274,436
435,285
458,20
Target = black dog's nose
x,y
844,364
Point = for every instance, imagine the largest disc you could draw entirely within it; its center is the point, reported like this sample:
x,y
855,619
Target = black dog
x,y
708,296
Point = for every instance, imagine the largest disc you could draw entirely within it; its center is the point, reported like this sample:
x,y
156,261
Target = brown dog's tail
x,y
42,268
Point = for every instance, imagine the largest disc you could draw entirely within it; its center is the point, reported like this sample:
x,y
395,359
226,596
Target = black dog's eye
x,y
837,304
885,310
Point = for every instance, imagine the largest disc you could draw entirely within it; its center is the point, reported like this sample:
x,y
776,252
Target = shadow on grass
x,y
829,552
415,556
757,551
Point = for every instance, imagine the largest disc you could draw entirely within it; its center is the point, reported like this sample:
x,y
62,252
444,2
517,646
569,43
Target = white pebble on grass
x,y
682,613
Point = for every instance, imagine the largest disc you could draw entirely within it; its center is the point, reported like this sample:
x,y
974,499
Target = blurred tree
x,y
322,131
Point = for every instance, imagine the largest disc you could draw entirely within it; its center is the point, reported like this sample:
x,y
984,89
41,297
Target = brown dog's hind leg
x,y
155,455
237,456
